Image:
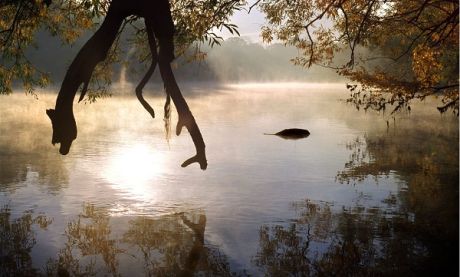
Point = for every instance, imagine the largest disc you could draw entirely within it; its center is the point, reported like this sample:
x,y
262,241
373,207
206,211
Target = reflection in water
x,y
36,168
380,201
17,238
427,164
175,245
89,244
24,157
131,168
413,232
354,241
169,245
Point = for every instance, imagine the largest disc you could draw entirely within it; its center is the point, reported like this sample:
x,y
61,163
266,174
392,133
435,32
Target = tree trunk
x,y
159,23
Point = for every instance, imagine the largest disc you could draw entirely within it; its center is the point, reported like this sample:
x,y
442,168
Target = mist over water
x,y
235,60
356,197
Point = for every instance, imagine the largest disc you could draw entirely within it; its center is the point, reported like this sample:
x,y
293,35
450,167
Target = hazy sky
x,y
248,24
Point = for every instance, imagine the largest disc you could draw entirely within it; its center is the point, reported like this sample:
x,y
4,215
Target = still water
x,y
357,197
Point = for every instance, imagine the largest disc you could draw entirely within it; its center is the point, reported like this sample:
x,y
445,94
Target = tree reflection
x,y
352,241
169,245
413,232
284,250
427,164
17,238
88,240
177,241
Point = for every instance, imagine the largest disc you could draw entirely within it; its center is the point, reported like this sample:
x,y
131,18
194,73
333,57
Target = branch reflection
x,y
17,238
169,245
413,232
354,241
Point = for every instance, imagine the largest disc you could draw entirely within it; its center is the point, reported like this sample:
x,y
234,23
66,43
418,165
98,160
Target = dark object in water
x,y
293,133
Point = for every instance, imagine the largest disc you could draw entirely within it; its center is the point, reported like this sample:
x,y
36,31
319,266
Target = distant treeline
x,y
235,60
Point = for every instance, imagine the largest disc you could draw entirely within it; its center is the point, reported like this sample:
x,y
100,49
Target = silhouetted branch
x,y
186,118
159,23
451,104
253,5
154,55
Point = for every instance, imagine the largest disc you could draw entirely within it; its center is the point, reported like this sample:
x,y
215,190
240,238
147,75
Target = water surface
x,y
357,197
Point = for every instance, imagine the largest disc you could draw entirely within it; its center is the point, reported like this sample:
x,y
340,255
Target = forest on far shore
x,y
235,60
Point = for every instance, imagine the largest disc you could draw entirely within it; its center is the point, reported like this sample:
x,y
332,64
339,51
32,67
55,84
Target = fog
x,y
236,60
355,181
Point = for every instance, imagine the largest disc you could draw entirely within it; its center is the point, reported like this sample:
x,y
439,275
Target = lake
x,y
364,194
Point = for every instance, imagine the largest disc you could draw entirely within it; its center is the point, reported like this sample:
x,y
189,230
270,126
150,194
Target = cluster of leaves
x,y
414,45
196,23
20,20
199,20
69,19
411,46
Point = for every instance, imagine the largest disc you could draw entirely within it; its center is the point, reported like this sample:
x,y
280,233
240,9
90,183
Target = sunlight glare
x,y
133,169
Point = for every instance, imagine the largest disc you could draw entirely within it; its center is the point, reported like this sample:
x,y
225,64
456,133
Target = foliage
x,y
414,45
20,20
69,19
411,47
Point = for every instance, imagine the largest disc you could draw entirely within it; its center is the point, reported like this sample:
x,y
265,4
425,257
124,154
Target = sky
x,y
248,24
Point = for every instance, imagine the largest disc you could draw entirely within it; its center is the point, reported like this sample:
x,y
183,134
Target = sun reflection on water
x,y
133,169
